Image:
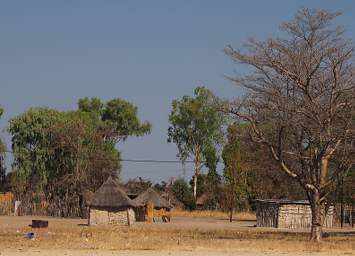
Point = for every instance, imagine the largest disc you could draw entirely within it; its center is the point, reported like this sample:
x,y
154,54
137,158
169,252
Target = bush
x,y
183,193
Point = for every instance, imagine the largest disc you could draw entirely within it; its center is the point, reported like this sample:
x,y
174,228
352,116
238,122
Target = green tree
x,y
119,117
183,193
195,125
212,180
235,171
61,154
201,182
2,160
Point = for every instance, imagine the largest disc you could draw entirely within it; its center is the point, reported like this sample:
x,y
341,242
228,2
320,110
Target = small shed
x,y
150,206
287,214
110,205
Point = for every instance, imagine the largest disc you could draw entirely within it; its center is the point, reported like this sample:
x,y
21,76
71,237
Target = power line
x,y
126,159
153,161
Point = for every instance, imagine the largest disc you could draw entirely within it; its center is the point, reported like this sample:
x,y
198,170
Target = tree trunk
x,y
317,223
231,215
197,166
195,185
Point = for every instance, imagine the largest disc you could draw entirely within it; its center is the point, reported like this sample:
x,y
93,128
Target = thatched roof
x,y
150,195
110,195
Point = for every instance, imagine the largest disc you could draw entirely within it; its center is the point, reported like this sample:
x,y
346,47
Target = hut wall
x,y
299,216
111,216
294,216
266,215
348,214
140,213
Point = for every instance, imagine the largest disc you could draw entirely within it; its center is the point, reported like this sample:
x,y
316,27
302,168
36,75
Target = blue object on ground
x,y
30,235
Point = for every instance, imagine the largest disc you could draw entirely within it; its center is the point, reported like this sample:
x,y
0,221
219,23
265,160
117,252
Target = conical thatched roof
x,y
150,195
110,195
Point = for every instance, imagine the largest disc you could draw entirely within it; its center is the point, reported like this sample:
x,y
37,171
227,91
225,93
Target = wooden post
x,y
352,215
150,212
342,204
88,209
128,220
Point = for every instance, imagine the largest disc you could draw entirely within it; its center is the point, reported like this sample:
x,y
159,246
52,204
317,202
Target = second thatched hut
x,y
110,205
151,206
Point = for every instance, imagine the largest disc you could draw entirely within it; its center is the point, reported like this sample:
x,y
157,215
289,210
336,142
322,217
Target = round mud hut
x,y
150,206
110,205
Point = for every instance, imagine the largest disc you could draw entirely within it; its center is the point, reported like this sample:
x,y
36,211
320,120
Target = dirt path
x,y
38,252
183,236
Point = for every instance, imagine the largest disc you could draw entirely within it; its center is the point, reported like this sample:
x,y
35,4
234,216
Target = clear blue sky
x,y
149,52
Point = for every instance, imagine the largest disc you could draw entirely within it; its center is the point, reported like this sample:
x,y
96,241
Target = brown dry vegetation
x,y
239,216
218,236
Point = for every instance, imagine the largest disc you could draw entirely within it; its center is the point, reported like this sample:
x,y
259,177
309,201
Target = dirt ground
x,y
183,236
153,253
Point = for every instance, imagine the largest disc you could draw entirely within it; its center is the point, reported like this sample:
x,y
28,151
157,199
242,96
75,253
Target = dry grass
x,y
156,237
240,216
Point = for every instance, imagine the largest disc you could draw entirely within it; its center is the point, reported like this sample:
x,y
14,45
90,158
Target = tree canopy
x,y
300,102
195,127
60,155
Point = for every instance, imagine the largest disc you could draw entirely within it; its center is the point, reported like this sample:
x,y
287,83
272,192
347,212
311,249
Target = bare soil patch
x,y
183,236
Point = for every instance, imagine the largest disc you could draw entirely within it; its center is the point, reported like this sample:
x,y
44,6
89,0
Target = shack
x,y
287,214
110,205
151,206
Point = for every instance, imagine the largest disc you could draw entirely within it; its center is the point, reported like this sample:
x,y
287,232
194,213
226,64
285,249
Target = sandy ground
x,y
176,222
152,253
20,225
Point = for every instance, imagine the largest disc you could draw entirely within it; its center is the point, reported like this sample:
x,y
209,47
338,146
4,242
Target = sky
x,y
148,52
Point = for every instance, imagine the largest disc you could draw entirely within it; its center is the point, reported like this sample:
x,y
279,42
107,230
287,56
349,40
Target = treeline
x,y
60,155
290,135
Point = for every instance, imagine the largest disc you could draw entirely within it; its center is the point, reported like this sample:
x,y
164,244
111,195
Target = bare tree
x,y
300,103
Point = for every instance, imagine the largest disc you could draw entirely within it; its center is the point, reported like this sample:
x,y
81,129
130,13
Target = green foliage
x,y
2,167
201,182
235,170
120,117
94,106
195,128
183,193
213,180
61,155
213,188
195,124
2,160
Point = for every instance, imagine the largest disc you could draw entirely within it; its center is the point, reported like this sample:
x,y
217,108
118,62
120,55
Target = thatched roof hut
x,y
150,195
151,205
111,205
283,213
